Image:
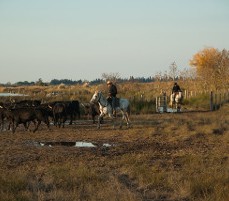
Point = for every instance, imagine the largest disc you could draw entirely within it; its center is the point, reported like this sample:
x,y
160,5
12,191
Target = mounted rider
x,y
112,92
176,90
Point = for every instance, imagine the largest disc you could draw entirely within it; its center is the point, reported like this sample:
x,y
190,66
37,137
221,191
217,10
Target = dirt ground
x,y
161,157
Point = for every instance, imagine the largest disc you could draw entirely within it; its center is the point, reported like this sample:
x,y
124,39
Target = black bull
x,y
92,110
26,115
64,109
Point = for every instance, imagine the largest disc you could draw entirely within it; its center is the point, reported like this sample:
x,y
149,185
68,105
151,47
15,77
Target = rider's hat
x,y
109,82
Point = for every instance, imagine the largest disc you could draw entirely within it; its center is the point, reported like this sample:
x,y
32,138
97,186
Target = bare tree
x,y
111,76
158,76
188,74
173,72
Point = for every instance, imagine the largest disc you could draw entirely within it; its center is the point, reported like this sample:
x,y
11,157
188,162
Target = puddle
x,y
72,144
106,145
12,94
84,144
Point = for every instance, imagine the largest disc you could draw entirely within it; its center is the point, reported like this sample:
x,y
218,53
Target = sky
x,y
83,39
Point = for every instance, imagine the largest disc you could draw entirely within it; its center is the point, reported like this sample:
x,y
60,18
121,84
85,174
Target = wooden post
x,y
164,102
211,101
227,96
220,100
216,102
185,94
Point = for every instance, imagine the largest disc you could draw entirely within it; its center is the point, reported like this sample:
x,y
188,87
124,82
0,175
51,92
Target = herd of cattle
x,y
33,111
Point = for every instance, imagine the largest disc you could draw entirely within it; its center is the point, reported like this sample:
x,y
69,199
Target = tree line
x,y
210,67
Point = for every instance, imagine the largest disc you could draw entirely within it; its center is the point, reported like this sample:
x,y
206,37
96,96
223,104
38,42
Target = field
x,y
167,157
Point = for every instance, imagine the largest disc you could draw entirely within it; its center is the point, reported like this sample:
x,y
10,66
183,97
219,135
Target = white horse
x,y
175,100
106,109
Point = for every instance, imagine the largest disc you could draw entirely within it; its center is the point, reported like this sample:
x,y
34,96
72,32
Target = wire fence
x,y
214,102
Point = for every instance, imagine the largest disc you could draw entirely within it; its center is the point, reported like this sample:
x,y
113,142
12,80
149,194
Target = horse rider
x,y
176,89
112,92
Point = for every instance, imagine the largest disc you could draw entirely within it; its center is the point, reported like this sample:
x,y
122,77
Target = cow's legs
x,y
38,124
14,128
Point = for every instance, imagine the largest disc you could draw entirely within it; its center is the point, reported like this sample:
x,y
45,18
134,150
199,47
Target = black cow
x,y
7,105
2,117
91,110
26,115
26,103
5,114
72,109
59,114
48,107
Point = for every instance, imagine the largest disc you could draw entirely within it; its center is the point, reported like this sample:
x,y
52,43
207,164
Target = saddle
x,y
109,100
117,102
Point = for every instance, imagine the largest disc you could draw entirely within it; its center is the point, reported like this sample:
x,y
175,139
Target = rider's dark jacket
x,y
112,90
176,88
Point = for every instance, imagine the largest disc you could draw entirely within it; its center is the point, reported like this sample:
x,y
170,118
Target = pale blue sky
x,y
81,39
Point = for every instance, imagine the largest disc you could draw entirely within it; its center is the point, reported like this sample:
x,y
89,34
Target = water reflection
x,y
11,94
72,144
84,144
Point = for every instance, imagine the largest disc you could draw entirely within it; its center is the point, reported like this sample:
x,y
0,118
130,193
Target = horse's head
x,y
96,96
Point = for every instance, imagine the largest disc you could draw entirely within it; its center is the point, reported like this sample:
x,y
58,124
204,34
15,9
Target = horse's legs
x,y
113,119
100,117
123,117
178,107
126,116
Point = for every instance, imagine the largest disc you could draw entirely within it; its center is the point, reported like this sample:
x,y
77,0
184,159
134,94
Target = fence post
x,y
211,101
227,96
220,100
185,94
164,102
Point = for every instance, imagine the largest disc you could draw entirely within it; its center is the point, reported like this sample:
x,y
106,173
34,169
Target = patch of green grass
x,y
201,101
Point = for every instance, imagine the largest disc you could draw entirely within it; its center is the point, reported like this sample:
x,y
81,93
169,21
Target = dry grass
x,y
128,89
169,157
142,96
